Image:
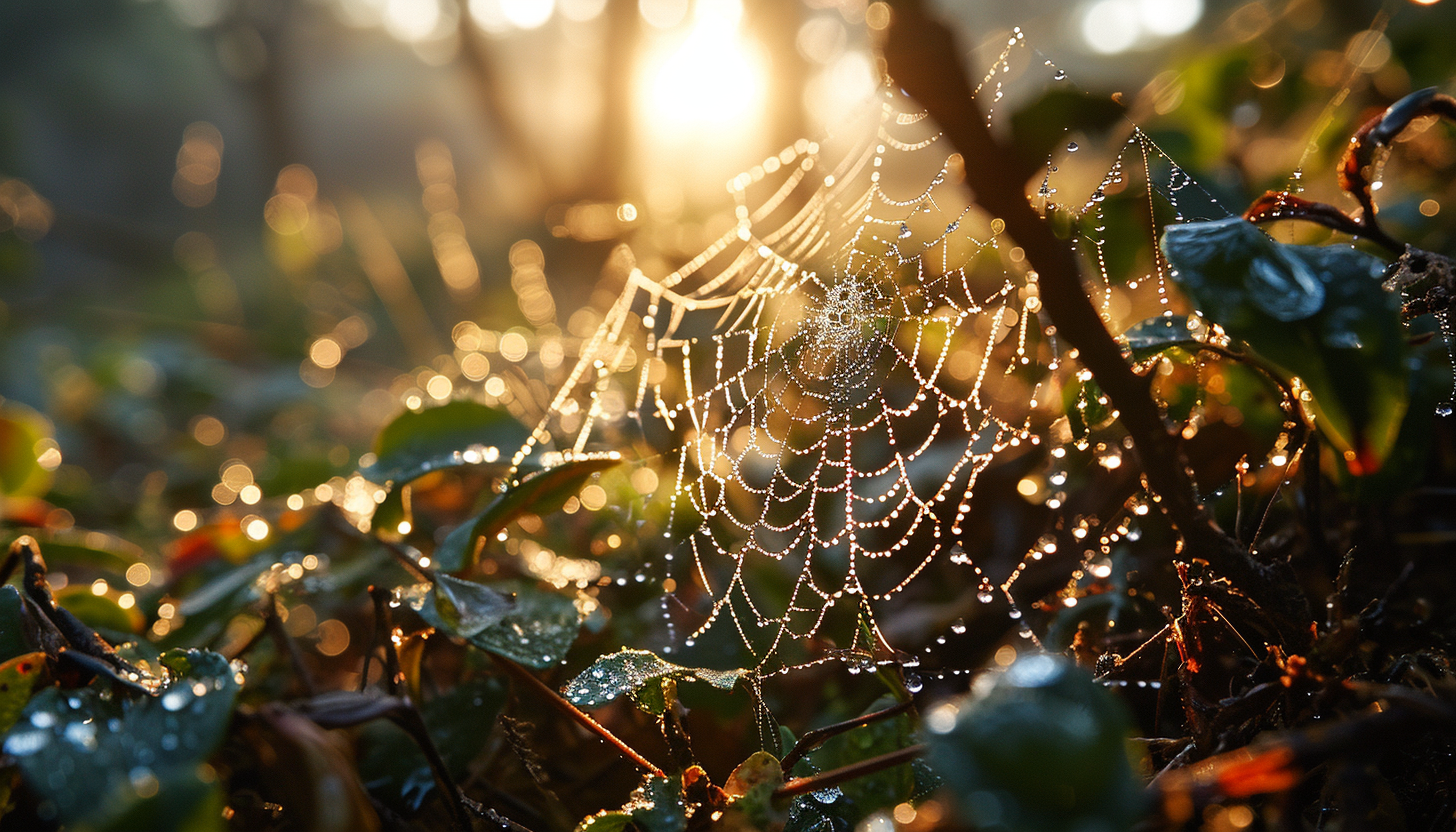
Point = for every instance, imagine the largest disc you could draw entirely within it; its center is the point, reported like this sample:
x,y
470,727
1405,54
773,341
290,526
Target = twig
x,y
833,777
273,625
1360,157
380,638
556,701
922,56
409,719
813,739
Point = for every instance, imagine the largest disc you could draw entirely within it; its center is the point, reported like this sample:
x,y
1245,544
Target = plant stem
x,y
556,701
813,739
833,777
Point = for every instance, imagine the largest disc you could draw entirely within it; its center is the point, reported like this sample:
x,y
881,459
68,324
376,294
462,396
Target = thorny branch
x,y
921,55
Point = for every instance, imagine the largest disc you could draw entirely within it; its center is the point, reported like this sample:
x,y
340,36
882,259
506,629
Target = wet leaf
x,y
1317,312
540,493
92,755
1148,338
17,679
457,433
1233,270
461,608
536,632
751,785
605,821
1041,748
658,805
640,674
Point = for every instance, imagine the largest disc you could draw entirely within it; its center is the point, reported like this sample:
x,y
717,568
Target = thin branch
x,y
273,626
556,701
833,777
813,739
409,719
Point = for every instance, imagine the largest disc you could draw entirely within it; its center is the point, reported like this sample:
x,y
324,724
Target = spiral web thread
x,y
822,386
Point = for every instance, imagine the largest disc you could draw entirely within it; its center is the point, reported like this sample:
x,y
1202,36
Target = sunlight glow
x,y
581,10
412,20
710,79
663,14
527,14
1112,26
1169,17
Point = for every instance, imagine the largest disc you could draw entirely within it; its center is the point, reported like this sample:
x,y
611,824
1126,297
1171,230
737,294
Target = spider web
x,y
821,387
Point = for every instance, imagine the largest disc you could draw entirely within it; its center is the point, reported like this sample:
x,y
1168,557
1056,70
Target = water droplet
x,y
1059,75
22,743
1443,409
1071,147
904,231
984,596
82,734
913,683
828,795
959,627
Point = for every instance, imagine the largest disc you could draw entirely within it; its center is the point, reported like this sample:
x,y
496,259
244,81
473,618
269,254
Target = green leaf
x,y
17,678
94,549
640,674
540,493
184,806
101,613
12,624
21,430
418,442
1148,338
93,756
658,805
536,632
751,785
1042,748
1234,269
1317,312
604,821
460,608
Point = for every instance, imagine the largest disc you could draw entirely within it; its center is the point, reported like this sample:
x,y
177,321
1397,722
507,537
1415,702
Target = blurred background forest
x,y
238,236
